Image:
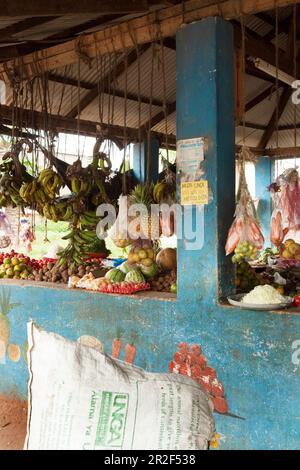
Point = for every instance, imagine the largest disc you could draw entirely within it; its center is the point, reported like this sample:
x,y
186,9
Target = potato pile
x,y
163,281
52,272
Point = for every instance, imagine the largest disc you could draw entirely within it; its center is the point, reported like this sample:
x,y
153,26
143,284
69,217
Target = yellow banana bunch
x,y
50,181
33,193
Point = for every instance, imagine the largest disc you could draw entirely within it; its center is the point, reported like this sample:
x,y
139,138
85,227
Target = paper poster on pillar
x,y
193,185
194,189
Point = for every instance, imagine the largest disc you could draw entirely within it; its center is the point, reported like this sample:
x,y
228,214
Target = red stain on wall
x,y
190,361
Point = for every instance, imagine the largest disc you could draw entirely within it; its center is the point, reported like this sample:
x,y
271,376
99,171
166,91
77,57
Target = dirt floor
x,y
13,418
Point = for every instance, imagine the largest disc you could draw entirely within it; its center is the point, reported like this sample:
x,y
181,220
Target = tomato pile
x,y
191,362
124,287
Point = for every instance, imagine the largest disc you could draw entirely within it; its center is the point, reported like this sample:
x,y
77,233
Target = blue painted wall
x,y
251,351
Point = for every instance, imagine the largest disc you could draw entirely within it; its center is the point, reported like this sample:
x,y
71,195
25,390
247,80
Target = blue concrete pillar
x,y
140,159
205,108
263,176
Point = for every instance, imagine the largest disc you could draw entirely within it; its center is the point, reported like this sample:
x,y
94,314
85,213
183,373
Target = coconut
x,y
167,259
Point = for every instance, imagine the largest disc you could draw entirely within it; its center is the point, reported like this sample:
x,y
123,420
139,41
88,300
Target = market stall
x,y
164,308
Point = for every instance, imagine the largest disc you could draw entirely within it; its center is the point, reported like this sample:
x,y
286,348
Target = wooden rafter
x,y
105,85
140,30
283,100
256,46
70,125
23,25
282,152
67,7
259,98
157,118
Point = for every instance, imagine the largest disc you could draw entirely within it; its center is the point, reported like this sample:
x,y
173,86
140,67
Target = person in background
x,y
26,235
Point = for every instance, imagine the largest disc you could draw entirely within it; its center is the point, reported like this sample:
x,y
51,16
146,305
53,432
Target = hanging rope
x,y
295,72
244,74
165,105
125,52
138,62
78,107
277,68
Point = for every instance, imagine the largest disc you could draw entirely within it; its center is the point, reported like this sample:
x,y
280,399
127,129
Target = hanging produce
x,y
285,194
13,174
245,227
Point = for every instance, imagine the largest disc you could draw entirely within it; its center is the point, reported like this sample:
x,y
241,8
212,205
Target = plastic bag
x,y
80,398
245,226
119,231
285,194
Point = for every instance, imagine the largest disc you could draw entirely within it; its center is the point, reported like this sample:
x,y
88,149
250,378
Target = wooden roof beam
x,y
105,85
70,125
66,7
16,28
138,30
256,46
259,98
157,118
283,100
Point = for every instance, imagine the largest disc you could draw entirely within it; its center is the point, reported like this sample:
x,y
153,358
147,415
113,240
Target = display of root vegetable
x,y
52,272
163,281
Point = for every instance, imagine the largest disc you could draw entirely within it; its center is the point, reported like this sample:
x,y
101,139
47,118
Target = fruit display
x,y
290,250
15,267
190,361
246,278
165,282
244,250
142,255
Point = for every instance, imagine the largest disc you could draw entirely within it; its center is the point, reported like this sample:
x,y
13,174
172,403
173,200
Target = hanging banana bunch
x,y
58,211
50,181
81,237
12,173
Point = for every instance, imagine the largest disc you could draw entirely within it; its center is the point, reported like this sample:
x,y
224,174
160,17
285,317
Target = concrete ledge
x,y
153,295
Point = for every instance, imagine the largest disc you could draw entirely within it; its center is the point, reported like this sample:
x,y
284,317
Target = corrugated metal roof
x,y
63,98
252,136
55,26
152,59
257,25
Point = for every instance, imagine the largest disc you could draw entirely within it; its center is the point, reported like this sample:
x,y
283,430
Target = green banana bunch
x,y
58,211
164,190
78,246
159,192
80,186
88,220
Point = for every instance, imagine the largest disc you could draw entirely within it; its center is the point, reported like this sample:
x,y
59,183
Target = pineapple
x,y
149,226
5,308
